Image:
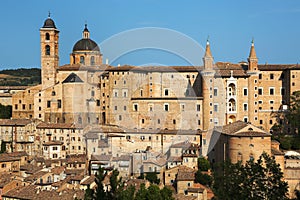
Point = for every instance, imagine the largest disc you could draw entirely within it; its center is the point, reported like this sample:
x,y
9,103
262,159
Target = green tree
x,y
152,177
127,194
115,184
166,193
154,192
202,178
141,193
3,146
5,112
262,179
100,194
89,194
203,164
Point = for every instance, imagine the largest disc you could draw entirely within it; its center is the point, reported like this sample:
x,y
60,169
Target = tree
x,y
5,111
262,179
154,192
100,193
204,179
115,184
203,164
3,146
166,193
141,193
127,194
152,177
89,194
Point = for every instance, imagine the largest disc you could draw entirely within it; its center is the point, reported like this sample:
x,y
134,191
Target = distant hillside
x,y
20,77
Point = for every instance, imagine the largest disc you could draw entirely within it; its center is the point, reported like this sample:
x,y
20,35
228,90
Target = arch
x,y
82,60
232,119
231,105
231,89
93,60
47,50
239,156
47,36
79,120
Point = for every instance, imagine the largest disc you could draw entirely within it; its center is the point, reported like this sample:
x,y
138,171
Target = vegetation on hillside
x,y
118,191
20,77
262,179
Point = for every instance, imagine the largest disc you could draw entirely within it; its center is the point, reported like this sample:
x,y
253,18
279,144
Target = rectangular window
x,y
259,76
166,92
245,91
54,148
271,101
16,106
261,122
260,91
58,103
174,121
245,107
135,107
215,91
98,102
282,91
166,107
271,91
48,104
182,107
23,106
30,106
216,107
116,107
271,76
198,107
245,119
125,108
120,117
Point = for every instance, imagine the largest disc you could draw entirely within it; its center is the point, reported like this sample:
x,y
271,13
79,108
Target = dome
x,y
86,44
49,23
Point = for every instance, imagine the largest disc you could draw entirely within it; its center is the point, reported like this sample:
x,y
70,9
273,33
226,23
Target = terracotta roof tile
x,y
101,157
59,126
51,143
15,122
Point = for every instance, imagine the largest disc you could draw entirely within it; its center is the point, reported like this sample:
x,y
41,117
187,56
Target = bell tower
x,y
49,36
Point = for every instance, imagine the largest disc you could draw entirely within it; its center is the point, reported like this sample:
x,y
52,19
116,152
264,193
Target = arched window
x,y
82,60
92,60
231,89
47,36
92,93
47,50
239,156
79,120
232,105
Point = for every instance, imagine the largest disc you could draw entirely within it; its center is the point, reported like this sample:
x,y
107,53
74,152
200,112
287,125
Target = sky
x,y
154,32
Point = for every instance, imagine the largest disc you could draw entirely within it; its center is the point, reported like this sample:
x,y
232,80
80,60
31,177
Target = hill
x,y
20,77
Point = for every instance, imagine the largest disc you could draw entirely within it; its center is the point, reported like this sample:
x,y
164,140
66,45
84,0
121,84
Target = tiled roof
x,y
32,192
30,168
58,170
164,131
175,159
5,178
18,154
185,176
78,67
51,143
159,161
15,122
236,129
101,157
88,180
74,171
122,158
5,157
106,129
157,68
80,158
59,126
35,176
185,145
276,152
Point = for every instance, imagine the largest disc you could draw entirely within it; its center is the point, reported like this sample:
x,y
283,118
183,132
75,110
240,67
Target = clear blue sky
x,y
274,24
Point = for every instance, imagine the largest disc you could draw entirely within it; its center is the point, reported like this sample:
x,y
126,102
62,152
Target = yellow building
x,y
153,98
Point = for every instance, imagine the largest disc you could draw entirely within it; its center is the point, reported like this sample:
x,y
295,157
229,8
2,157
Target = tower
x,y
208,74
252,84
49,36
